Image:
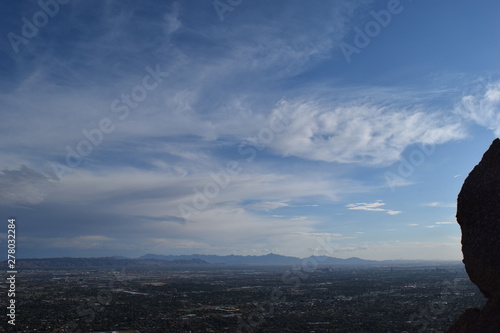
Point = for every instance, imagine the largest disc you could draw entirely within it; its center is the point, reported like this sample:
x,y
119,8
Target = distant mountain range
x,y
157,260
276,259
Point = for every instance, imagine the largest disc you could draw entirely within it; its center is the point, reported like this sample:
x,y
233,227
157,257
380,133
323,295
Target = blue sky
x,y
341,128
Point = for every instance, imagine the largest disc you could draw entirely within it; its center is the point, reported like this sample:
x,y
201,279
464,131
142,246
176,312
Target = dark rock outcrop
x,y
478,213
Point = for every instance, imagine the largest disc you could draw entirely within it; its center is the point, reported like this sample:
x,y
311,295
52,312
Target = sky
x,y
342,128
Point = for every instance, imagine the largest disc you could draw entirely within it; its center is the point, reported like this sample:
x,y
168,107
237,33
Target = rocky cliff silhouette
x,y
478,213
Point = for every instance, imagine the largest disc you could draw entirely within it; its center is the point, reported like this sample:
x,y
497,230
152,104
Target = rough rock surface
x,y
478,213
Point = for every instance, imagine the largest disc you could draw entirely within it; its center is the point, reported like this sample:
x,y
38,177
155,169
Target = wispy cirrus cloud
x,y
438,224
439,204
24,186
223,83
268,205
359,132
483,107
196,99
372,207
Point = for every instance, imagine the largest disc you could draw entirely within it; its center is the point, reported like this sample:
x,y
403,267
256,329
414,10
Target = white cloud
x,y
220,90
368,131
445,222
439,204
80,242
267,205
483,108
183,104
172,21
358,132
412,224
372,207
153,197
24,186
299,218
325,235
